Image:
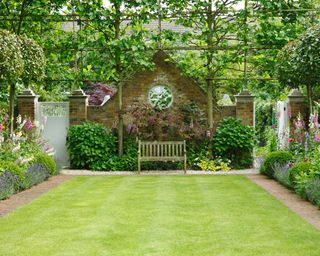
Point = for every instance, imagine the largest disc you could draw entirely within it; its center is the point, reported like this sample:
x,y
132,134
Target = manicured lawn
x,y
165,215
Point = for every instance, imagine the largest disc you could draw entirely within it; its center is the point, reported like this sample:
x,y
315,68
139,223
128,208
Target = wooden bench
x,y
162,151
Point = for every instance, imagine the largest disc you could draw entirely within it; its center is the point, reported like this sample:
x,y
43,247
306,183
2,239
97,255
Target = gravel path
x,y
305,209
26,196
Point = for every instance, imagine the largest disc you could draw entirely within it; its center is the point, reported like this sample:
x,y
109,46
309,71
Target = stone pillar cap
x,y
244,93
79,93
28,93
295,93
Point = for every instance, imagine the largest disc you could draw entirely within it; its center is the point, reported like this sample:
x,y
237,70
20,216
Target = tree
x,y
21,59
11,65
299,62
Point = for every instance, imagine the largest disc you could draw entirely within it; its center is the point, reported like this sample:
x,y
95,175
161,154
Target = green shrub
x,y
273,158
90,144
47,162
16,171
234,141
298,168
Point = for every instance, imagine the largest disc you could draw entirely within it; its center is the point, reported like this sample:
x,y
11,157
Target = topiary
x,y
89,143
276,157
298,168
234,141
47,162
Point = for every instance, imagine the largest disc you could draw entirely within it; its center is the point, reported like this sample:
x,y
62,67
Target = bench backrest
x,y
162,149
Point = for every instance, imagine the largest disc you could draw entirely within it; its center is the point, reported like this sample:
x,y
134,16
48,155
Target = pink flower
x,y
1,127
317,138
291,140
28,125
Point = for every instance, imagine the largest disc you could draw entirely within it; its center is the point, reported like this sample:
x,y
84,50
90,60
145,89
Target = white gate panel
x,y
55,118
283,124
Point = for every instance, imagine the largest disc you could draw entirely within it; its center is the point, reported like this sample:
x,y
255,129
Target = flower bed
x,y
24,157
298,166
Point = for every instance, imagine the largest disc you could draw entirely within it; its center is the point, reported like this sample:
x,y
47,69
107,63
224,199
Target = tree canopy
x,y
299,62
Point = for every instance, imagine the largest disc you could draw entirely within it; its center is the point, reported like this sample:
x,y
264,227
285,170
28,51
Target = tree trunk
x,y
118,69
11,108
309,98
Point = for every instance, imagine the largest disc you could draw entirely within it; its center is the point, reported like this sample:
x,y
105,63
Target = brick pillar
x,y
78,107
297,103
245,108
27,104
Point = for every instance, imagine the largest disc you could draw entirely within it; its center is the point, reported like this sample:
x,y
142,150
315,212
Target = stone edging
x,y
26,196
303,208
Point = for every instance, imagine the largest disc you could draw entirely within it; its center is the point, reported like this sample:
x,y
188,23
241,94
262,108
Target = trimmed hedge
x,y
47,162
277,157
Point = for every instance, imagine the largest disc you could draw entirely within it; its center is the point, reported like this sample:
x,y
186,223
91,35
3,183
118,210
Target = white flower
x,y
19,119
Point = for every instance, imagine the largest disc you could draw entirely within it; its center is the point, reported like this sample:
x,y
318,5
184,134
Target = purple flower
x,y
28,125
317,138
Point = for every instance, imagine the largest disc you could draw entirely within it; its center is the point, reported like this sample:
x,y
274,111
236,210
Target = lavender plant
x,y
281,173
35,174
7,184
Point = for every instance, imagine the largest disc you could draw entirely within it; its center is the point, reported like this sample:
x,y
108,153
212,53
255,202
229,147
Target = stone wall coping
x,y
78,93
244,97
296,96
28,93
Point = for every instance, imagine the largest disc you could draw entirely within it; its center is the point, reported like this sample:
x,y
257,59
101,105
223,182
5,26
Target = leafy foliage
x,y
47,162
214,165
234,141
296,169
11,58
299,62
34,60
277,157
89,143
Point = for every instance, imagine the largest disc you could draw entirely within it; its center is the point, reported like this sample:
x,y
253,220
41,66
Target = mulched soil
x,y
25,197
305,209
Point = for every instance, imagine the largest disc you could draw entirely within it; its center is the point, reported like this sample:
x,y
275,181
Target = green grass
x,y
164,215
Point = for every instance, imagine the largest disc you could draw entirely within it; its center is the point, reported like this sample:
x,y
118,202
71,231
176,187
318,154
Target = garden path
x,y
25,197
302,207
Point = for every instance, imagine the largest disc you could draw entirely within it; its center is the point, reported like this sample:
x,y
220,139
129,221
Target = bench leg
x,y
185,164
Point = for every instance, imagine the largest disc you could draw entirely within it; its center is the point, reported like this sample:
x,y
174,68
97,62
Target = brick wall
x,y
184,90
27,103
